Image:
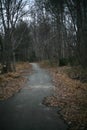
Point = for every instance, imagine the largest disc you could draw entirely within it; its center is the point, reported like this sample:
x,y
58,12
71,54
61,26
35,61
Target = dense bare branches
x,y
11,11
67,21
58,29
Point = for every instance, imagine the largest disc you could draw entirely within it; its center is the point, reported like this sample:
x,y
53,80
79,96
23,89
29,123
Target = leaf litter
x,y
71,96
12,82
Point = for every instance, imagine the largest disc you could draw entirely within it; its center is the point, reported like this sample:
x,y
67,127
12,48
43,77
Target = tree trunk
x,y
8,52
82,33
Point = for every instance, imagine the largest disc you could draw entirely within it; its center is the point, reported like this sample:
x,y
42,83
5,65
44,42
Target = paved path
x,y
24,111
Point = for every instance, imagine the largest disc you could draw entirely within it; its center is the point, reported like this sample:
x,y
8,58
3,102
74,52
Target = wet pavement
x,y
25,111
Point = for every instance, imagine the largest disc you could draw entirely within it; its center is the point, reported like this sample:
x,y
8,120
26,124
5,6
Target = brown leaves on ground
x,y
10,83
23,67
71,96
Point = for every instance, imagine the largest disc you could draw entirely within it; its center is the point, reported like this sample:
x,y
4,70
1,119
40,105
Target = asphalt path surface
x,y
25,110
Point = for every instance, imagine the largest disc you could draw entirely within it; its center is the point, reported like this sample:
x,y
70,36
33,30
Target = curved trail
x,y
24,111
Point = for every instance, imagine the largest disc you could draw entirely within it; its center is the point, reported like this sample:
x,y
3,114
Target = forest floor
x,y
70,95
11,83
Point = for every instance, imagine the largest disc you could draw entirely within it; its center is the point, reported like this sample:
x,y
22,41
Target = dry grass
x,y
22,67
47,64
71,96
10,83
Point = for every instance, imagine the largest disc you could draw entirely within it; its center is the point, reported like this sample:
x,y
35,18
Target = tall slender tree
x,y
10,11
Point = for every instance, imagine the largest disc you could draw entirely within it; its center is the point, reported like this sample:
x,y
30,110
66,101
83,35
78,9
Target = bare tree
x,y
11,11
